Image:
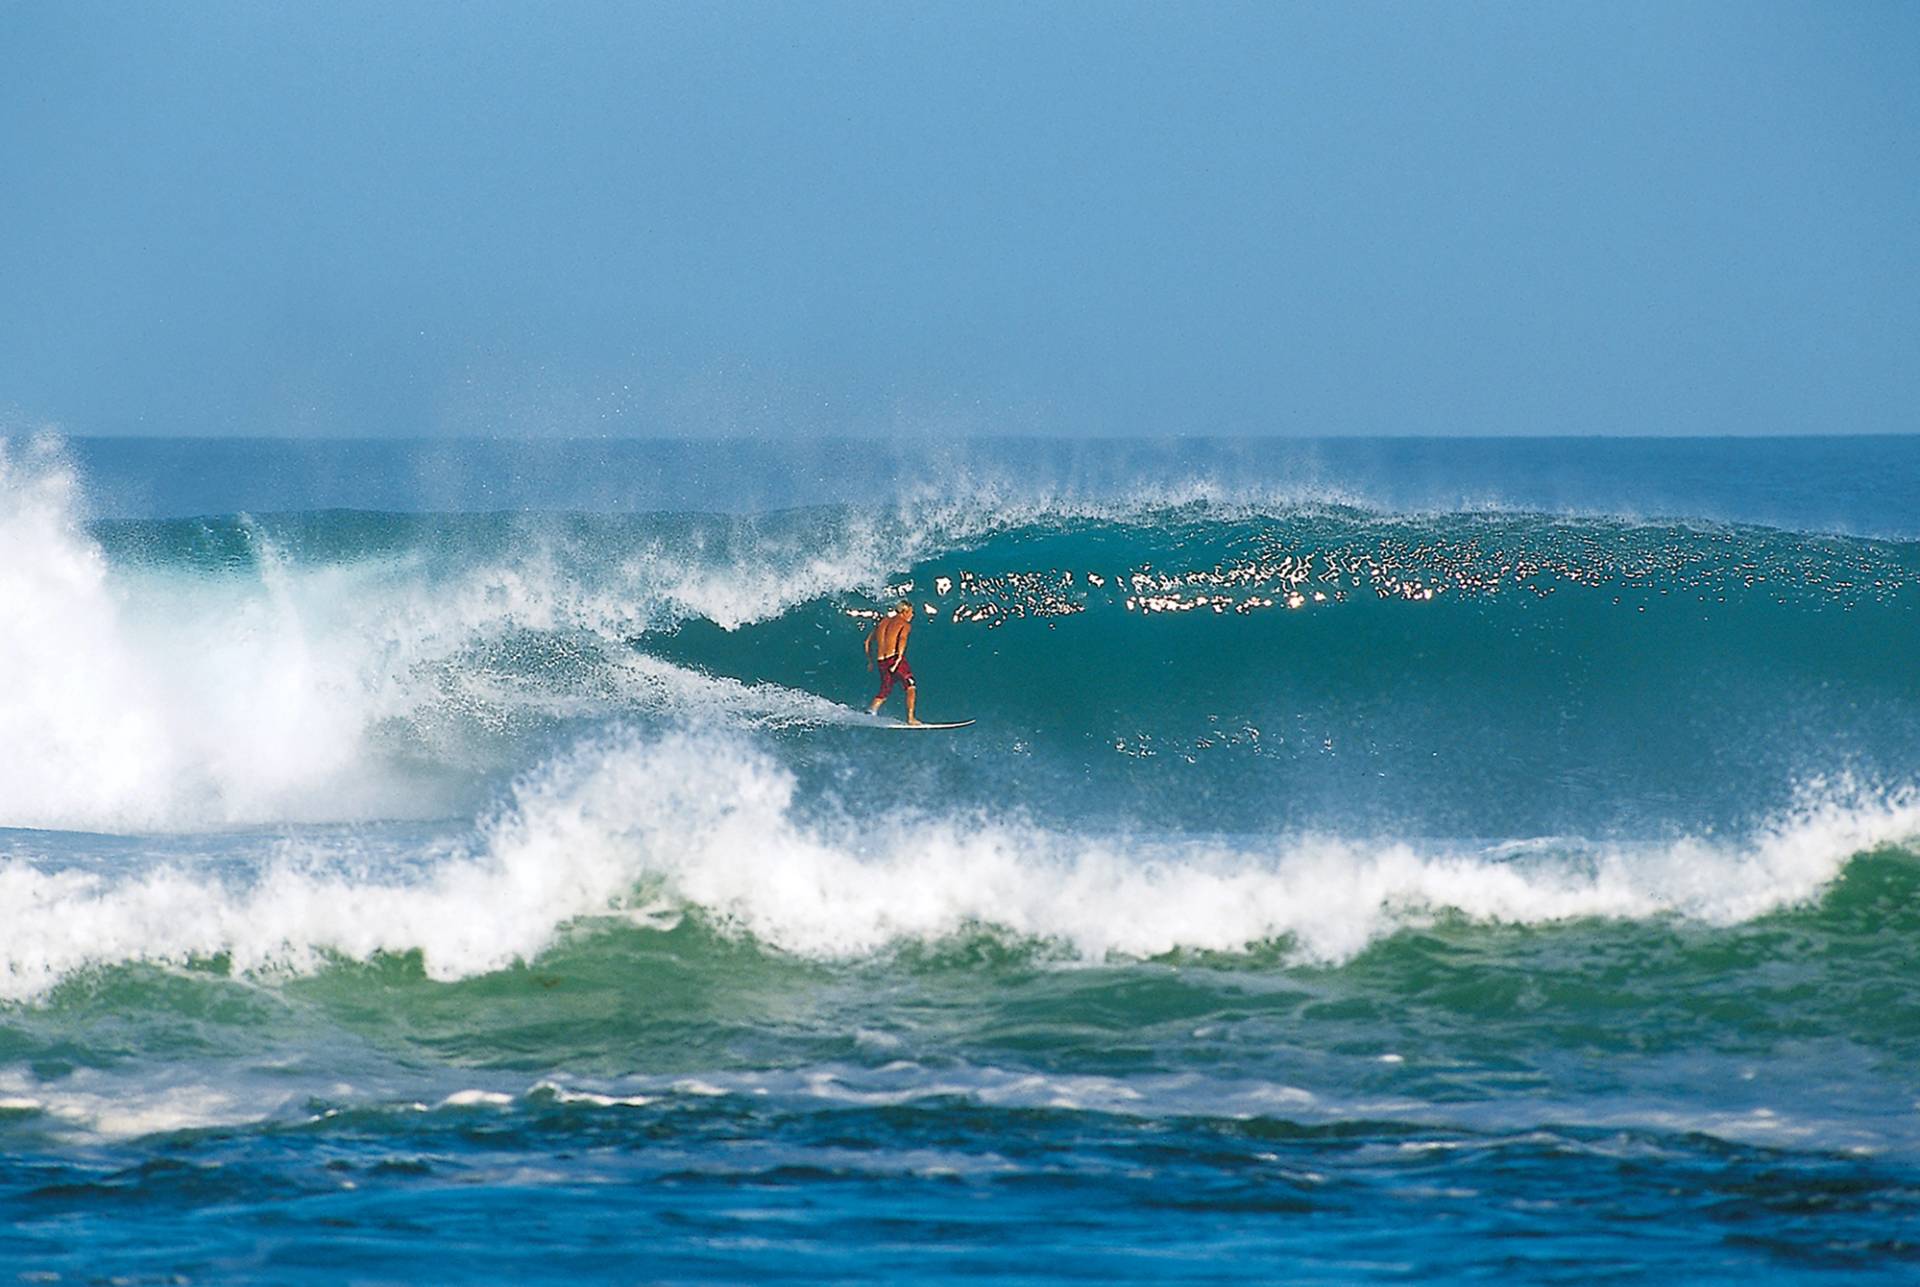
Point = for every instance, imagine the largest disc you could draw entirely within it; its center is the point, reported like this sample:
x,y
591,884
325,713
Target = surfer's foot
x,y
913,723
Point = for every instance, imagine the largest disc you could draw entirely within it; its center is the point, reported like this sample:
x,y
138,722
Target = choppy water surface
x,y
1368,864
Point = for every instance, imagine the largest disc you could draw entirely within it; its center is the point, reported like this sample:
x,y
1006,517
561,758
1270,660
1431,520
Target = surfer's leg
x,y
910,692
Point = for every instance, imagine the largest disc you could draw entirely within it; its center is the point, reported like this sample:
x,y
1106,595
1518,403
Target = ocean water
x,y
1397,861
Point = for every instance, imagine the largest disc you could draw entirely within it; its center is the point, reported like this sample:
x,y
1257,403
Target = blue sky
x,y
583,218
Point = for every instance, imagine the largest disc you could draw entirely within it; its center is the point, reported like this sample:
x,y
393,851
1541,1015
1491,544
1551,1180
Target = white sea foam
x,y
719,826
96,1102
712,824
170,698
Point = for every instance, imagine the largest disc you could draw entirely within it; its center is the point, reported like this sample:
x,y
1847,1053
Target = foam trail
x,y
711,826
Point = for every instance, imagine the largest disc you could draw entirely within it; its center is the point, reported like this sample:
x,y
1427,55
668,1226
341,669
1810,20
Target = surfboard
x,y
923,727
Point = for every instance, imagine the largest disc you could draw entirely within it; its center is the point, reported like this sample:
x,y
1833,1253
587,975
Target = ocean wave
x,y
635,829
341,666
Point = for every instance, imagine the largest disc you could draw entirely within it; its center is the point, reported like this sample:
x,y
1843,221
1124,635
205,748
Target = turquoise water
x,y
1373,862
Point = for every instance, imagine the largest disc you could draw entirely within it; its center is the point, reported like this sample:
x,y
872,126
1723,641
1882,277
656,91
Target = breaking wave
x,y
636,830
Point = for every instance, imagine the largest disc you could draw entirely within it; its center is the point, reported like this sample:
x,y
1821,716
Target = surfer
x,y
887,649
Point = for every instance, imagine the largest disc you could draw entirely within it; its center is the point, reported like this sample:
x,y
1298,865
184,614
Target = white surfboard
x,y
922,727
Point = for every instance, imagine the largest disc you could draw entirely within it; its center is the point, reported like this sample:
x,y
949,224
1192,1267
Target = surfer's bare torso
x,y
887,647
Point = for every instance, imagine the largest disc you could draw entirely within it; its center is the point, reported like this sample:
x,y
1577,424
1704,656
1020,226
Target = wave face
x,y
1453,847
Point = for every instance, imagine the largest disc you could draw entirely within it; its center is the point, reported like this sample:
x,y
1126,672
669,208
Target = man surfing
x,y
887,649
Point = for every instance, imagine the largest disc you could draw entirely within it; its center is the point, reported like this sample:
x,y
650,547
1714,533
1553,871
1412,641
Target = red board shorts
x,y
890,670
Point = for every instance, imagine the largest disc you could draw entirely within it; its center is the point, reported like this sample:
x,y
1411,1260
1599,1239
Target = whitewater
x,y
1366,853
